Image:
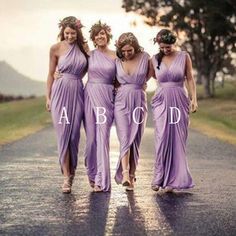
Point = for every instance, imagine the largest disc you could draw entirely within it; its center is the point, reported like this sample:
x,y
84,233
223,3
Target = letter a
x,y
64,116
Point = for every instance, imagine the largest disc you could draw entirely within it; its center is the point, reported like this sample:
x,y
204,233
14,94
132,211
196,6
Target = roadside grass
x,y
216,118
21,118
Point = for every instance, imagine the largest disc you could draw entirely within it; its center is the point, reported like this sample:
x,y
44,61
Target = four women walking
x,y
99,106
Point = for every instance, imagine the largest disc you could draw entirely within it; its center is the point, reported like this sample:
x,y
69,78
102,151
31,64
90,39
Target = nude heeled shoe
x,y
132,180
155,187
125,180
97,189
91,183
67,184
169,189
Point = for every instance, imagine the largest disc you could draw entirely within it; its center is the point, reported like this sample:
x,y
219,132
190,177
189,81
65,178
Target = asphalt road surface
x,y
31,202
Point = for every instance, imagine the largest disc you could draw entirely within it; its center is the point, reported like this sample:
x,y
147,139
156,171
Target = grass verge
x,y
21,118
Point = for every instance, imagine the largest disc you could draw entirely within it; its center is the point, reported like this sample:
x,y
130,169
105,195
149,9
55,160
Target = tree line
x,y
207,30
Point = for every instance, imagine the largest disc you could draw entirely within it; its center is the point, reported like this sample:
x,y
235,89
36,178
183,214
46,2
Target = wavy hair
x,y
97,27
163,36
75,24
127,39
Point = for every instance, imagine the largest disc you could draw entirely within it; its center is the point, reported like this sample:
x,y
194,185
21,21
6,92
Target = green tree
x,y
209,28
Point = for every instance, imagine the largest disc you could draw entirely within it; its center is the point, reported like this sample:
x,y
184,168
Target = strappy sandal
x,y
92,183
67,184
97,189
169,189
125,180
132,180
155,187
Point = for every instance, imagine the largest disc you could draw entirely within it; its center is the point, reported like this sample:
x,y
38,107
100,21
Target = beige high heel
x,y
125,180
169,189
97,189
67,184
132,180
91,183
155,188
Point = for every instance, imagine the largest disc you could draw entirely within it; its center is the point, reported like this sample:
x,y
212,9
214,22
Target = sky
x,y
29,28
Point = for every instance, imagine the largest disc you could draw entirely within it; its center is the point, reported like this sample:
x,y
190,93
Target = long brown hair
x,y
124,39
163,36
75,24
97,27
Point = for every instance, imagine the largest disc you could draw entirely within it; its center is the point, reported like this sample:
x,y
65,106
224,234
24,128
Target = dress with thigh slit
x,y
99,100
130,111
67,103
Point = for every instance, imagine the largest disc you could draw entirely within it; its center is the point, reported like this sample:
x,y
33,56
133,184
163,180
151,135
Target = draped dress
x,y
130,111
170,106
67,103
99,100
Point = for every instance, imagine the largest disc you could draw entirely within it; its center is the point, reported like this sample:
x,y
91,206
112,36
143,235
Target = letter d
x,y
171,115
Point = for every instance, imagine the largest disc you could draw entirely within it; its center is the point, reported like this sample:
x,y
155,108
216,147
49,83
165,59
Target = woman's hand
x,y
193,106
48,104
57,75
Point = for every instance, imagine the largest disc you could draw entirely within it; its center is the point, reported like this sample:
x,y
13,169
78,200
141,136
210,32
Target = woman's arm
x,y
151,71
191,85
87,49
52,68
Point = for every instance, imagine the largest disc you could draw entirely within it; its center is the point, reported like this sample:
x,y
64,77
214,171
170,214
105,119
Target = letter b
x,y
100,114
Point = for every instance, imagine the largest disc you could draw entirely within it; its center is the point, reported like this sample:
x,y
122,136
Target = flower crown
x,y
128,38
101,25
168,38
70,20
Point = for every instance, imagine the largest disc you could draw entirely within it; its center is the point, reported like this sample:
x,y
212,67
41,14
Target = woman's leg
x,y
66,164
131,170
132,162
125,169
68,175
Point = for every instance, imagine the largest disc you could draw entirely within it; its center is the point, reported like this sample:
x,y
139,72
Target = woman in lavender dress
x,y
171,107
65,95
130,105
99,100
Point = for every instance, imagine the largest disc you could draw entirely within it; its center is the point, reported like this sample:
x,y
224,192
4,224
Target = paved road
x,y
31,202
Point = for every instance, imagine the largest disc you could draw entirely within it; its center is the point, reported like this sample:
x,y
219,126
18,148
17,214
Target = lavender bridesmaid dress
x,y
130,95
67,96
171,168
99,93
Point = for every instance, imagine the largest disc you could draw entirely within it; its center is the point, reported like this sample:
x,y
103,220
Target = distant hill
x,y
14,83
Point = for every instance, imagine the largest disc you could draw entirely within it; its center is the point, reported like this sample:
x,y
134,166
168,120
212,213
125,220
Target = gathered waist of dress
x,y
72,76
132,86
171,84
100,81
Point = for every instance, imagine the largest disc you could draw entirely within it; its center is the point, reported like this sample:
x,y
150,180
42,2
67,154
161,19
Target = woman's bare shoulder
x,y
112,53
56,47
